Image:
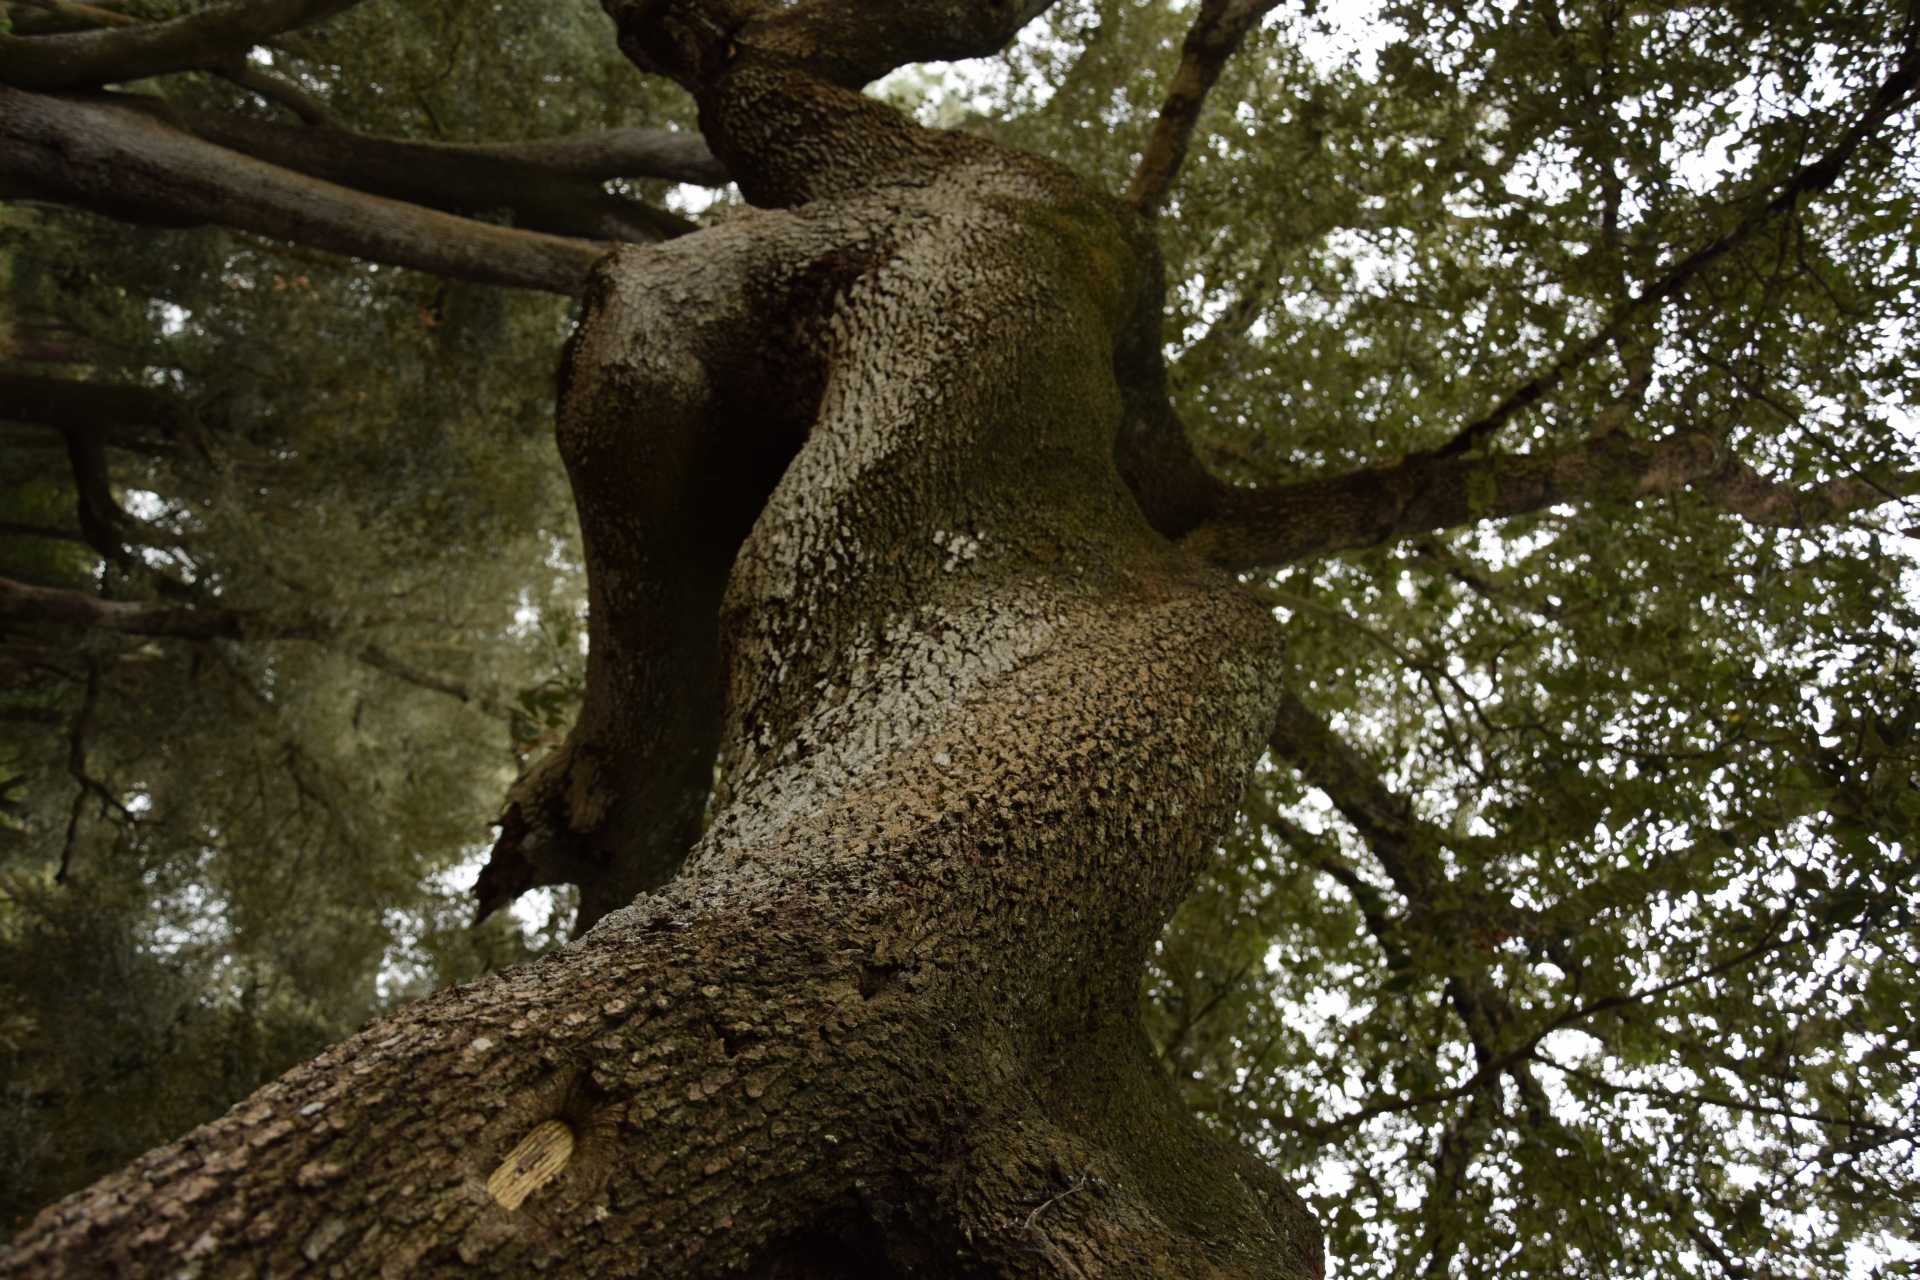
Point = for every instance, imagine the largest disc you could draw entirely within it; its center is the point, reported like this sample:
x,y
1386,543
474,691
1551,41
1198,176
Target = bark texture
x,y
858,544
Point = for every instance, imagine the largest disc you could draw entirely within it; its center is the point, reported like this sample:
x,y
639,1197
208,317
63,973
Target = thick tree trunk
x,y
979,725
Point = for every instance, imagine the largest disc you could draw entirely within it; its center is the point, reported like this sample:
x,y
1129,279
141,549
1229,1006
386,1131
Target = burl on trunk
x,y
846,471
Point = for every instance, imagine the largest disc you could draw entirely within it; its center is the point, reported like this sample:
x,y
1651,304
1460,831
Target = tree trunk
x,y
846,475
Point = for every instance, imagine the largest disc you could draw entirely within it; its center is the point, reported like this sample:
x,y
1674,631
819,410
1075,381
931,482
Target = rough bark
x,y
846,475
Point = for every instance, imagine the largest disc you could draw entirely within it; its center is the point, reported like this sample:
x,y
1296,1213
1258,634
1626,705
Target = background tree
x,y
1558,368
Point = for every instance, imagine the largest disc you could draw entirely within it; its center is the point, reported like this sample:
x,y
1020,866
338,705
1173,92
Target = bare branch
x,y
107,157
203,40
1215,35
1254,528
1894,94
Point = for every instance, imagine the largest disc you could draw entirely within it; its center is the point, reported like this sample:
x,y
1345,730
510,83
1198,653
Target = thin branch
x,y
12,529
1376,910
1427,671
380,660
22,602
1216,33
202,40
1688,1101
88,15
281,92
1193,1017
1894,94
1267,527
1079,1183
1525,1049
85,783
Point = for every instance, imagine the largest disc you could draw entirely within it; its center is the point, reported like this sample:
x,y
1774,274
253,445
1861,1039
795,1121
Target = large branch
x,y
846,42
85,59
1256,528
109,158
469,179
1215,35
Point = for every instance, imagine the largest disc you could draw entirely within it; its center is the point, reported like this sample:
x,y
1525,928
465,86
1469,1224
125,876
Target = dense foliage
x,y
1569,926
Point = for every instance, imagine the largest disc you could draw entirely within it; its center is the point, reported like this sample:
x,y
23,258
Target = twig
x,y
88,785
1086,1175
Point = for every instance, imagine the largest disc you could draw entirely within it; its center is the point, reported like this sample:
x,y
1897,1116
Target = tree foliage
x,y
1568,924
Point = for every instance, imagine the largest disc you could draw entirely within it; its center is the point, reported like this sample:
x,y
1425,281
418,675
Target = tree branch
x,y
281,93
1691,1100
1216,33
14,529
103,523
1255,528
480,699
1894,94
74,406
112,159
458,179
203,40
1524,1050
1384,820
671,154
846,42
22,602
1375,906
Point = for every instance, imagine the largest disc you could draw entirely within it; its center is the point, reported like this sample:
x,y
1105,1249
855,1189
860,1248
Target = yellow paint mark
x,y
539,1158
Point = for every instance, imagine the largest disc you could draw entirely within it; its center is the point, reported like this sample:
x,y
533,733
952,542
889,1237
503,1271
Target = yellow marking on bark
x,y
539,1158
